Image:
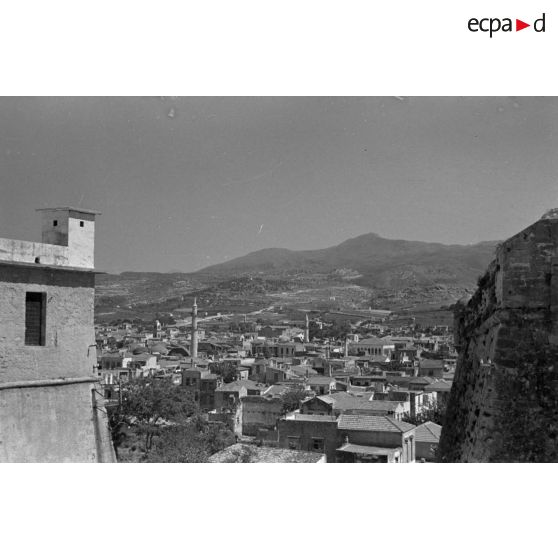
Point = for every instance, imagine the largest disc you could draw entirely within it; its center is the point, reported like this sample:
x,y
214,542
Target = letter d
x,y
542,22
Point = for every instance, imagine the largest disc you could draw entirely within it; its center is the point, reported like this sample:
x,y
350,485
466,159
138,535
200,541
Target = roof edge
x,y
69,208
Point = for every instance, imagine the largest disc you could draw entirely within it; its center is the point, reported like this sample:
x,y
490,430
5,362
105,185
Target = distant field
x,y
428,317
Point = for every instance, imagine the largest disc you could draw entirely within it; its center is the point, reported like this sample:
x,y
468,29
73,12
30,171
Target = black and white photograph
x,y
279,279
240,239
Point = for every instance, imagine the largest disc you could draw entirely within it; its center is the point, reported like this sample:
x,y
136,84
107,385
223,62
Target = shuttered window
x,y
35,318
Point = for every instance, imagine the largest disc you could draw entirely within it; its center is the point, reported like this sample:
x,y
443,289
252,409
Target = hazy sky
x,y
183,183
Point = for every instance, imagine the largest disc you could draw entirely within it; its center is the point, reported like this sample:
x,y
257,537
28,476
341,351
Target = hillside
x,y
372,261
363,271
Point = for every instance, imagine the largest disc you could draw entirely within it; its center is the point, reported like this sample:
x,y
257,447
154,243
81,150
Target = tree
x,y
225,369
314,331
291,399
192,443
433,412
147,403
177,444
165,421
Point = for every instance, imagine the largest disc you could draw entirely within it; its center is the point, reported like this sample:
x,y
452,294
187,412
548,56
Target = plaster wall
x,y
53,424
258,412
26,252
69,324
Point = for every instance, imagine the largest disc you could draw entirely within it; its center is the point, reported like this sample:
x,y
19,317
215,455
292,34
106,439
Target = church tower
x,y
157,330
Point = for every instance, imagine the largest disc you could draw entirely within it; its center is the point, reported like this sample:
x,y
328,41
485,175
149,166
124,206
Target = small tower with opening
x,y
74,228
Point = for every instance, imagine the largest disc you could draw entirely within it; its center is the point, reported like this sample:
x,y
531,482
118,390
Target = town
x,y
286,391
239,306
342,385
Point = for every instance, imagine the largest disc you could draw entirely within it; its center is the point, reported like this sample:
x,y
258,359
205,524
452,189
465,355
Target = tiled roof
x,y
375,342
197,370
373,423
378,405
428,432
320,380
142,356
276,390
345,401
428,363
304,370
238,453
239,384
422,380
440,385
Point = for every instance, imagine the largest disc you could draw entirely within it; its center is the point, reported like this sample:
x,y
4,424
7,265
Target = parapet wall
x,y
22,251
506,335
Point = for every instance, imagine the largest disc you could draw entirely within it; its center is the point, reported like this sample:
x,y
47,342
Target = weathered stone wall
x,y
513,310
306,432
69,324
259,412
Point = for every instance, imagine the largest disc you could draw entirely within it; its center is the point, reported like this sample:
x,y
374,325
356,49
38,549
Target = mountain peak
x,y
379,261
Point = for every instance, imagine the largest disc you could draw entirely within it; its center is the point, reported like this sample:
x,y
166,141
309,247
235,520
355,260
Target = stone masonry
x,y
503,405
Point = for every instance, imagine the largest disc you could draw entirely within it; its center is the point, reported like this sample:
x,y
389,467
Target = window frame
x,y
29,339
320,442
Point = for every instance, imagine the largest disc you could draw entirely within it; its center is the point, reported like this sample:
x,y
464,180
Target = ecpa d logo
x,y
493,25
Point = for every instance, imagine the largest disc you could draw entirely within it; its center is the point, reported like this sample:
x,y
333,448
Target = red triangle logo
x,y
519,25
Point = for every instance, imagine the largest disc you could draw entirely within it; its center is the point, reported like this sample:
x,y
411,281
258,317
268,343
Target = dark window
x,y
35,318
55,223
81,223
317,444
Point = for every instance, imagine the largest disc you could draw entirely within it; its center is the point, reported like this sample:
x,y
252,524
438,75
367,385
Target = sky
x,y
183,183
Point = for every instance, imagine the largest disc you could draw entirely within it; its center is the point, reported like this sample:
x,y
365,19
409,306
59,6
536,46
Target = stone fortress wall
x,y
503,404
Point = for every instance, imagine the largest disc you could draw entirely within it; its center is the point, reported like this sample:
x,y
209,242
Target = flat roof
x,y
51,266
68,208
311,418
368,450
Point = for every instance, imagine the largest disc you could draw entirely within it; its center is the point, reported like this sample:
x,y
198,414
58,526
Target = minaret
x,y
346,346
194,341
307,331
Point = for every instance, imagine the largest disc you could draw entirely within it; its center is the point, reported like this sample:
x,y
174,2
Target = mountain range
x,y
366,270
370,260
